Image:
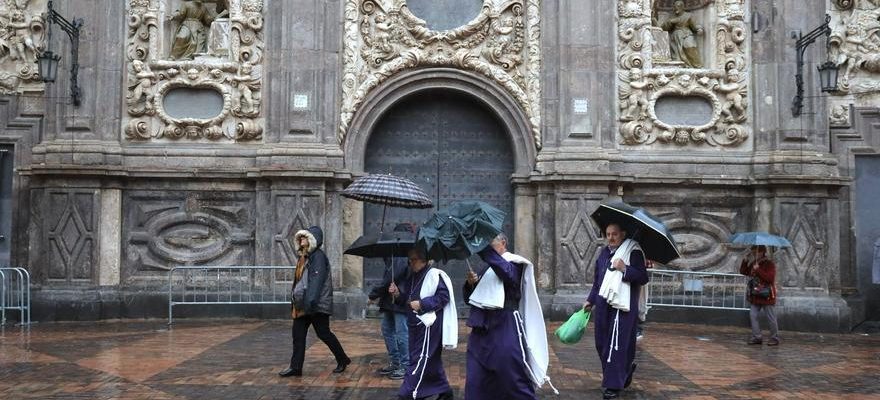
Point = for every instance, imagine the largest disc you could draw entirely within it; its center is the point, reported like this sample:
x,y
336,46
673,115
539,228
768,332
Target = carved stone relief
x,y
649,70
701,234
383,38
22,39
166,229
197,44
579,241
804,263
855,47
292,211
70,231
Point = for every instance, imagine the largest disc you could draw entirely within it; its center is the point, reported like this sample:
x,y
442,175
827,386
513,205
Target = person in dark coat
x,y
615,330
427,291
394,328
312,301
756,265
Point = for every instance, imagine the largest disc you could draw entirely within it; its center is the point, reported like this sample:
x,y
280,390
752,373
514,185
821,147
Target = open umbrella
x,y
388,244
759,238
653,236
388,190
460,231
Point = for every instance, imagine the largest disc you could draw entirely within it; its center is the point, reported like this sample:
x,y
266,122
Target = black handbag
x,y
759,289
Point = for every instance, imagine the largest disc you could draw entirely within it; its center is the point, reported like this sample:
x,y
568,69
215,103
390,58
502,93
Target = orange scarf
x,y
300,267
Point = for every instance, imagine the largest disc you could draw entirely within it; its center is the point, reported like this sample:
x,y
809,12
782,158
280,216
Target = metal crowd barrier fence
x,y
15,293
206,285
694,289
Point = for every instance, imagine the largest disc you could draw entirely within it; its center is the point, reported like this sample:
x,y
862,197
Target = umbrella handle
x,y
468,262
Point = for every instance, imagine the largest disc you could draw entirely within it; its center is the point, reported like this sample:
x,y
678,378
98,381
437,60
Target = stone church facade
x,y
210,131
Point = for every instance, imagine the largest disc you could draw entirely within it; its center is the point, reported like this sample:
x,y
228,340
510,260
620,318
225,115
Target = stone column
x,y
110,239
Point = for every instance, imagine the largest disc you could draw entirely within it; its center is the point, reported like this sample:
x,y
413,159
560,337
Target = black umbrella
x,y
460,231
388,190
653,236
389,244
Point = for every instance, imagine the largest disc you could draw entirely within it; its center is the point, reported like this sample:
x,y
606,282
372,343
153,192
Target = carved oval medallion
x,y
441,15
193,103
190,239
683,110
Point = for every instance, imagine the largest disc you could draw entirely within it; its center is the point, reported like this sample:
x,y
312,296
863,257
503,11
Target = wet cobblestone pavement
x,y
239,360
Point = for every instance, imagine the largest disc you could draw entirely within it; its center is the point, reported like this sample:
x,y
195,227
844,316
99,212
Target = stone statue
x,y
139,87
733,109
18,40
246,83
682,31
191,36
839,115
636,105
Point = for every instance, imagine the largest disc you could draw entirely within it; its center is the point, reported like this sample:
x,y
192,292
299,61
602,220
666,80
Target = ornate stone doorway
x,y
452,146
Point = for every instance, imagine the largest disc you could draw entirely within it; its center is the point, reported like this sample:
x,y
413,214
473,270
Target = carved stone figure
x,y
734,108
683,30
635,106
191,36
19,42
839,115
498,49
140,87
247,84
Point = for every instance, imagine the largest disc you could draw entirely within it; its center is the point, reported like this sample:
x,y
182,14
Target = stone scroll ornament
x,y
22,40
383,38
647,74
203,45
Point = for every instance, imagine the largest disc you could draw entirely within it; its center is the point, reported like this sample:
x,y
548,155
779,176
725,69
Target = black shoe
x,y
610,394
340,367
629,378
290,372
446,395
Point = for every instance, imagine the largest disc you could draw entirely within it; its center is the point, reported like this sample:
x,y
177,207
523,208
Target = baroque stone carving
x,y
839,116
166,229
383,38
22,39
190,55
855,47
643,77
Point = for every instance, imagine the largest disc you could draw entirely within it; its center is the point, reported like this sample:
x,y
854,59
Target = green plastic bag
x,y
571,331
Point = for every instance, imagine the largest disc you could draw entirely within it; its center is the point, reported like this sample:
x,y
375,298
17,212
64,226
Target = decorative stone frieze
x,y
709,41
855,47
383,38
172,46
22,39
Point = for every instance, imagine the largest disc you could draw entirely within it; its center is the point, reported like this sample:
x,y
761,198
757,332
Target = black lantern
x,y
801,46
828,76
48,61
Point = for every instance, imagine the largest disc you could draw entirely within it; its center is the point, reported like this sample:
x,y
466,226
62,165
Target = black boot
x,y
610,394
290,372
340,366
448,395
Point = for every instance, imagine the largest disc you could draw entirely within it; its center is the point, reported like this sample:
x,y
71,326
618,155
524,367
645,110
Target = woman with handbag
x,y
761,292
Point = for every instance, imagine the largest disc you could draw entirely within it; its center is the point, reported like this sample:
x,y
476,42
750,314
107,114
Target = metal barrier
x,y
697,289
228,285
15,293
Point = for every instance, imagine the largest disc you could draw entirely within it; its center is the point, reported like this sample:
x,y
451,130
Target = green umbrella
x,y
460,231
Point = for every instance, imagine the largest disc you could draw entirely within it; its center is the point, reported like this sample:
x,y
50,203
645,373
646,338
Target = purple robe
x,y
615,373
433,381
495,364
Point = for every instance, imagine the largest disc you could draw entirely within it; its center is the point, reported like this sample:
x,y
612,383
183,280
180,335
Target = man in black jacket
x,y
312,301
394,328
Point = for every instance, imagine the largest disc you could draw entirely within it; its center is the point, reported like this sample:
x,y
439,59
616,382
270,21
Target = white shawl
x,y
614,290
450,316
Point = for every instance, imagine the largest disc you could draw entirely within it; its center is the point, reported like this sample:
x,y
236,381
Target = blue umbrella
x,y
759,239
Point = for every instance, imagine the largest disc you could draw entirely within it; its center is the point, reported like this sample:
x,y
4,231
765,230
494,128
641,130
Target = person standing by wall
x,y
312,301
761,292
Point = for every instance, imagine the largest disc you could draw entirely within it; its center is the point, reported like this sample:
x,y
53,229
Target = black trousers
x,y
300,329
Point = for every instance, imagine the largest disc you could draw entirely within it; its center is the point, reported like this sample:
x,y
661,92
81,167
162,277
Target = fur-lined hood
x,y
315,236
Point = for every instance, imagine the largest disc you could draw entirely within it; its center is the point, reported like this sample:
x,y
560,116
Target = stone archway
x,y
496,133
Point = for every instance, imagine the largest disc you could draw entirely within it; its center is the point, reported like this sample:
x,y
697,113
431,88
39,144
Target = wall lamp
x,y
48,61
827,71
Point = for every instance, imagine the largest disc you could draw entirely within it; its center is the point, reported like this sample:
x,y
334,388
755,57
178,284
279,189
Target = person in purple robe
x,y
497,366
615,329
427,293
